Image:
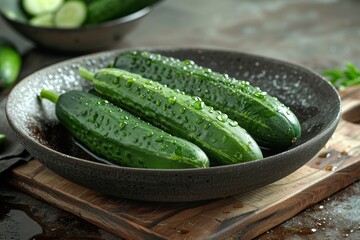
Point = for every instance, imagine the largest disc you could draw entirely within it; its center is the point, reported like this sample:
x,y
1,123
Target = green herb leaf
x,y
343,78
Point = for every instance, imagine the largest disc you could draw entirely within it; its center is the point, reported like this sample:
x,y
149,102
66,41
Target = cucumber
x,y
102,11
10,64
2,139
105,10
120,137
37,7
266,119
181,115
72,14
43,20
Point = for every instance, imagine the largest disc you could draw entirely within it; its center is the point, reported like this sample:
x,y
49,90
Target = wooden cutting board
x,y
243,216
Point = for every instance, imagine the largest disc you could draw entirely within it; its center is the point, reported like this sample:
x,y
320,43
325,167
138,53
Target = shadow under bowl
x,y
315,102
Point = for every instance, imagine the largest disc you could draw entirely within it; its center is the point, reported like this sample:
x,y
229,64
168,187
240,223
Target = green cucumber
x,y
105,10
120,137
2,139
102,11
10,64
268,121
37,7
72,14
43,20
182,115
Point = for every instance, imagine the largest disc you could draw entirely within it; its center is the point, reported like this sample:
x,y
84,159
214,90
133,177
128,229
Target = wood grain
x,y
243,216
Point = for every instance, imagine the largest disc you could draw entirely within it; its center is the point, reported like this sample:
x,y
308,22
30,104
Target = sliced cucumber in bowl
x,y
43,20
38,7
72,14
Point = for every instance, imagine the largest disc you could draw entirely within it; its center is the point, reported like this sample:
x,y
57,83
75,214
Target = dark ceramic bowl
x,y
82,39
310,97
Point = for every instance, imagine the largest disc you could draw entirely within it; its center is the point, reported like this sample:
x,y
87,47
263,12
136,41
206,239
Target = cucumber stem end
x,y
86,74
50,95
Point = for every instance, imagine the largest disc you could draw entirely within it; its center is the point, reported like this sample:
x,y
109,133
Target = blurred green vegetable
x,y
10,63
105,10
37,7
2,139
69,13
12,10
342,78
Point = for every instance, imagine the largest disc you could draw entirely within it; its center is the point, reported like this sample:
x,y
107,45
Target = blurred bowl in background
x,y
82,39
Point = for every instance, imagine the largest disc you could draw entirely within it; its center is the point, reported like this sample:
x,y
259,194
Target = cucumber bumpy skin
x,y
267,120
121,137
222,139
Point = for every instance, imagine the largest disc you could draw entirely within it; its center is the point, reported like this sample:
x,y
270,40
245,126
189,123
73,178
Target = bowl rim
x,y
125,19
326,130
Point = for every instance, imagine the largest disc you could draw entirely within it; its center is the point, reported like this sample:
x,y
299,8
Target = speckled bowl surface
x,y
309,96
82,39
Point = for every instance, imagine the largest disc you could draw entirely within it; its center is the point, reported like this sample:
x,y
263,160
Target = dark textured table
x,y
318,34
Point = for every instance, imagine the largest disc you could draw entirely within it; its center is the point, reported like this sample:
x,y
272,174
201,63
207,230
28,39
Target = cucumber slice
x,y
43,20
72,14
36,7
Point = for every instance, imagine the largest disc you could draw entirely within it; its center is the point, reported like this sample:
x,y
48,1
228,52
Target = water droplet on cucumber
x,y
189,62
234,123
160,138
198,105
172,100
129,82
182,110
207,70
222,117
200,120
122,125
